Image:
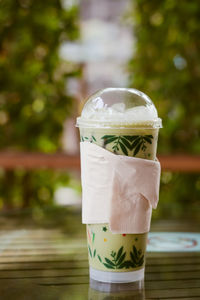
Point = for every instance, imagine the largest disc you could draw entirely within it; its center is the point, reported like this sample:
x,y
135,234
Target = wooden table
x,y
41,262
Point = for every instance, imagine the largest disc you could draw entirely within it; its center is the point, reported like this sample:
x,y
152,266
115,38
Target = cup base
x,y
116,277
124,290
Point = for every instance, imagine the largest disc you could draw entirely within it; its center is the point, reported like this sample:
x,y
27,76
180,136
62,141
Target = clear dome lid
x,y
119,108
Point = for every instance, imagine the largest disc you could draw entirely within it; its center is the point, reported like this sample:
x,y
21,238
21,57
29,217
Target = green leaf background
x,y
34,100
164,66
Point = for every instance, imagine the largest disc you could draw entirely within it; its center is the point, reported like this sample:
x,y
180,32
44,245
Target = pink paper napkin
x,y
117,189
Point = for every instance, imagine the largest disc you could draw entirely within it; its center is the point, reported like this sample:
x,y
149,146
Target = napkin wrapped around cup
x,y
118,190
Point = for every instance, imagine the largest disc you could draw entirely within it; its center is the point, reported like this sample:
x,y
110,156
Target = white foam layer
x,y
118,114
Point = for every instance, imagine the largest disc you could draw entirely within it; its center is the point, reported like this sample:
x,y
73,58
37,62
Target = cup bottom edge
x,y
116,277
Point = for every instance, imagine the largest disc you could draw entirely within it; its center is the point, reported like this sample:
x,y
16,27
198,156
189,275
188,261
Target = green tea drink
x,y
123,131
119,252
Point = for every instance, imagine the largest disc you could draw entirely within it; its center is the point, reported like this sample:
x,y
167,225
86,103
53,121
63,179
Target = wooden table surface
x,y
46,263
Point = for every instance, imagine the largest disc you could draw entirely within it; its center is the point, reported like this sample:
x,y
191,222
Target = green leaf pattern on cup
x,y
127,143
117,259
89,251
137,259
87,139
99,257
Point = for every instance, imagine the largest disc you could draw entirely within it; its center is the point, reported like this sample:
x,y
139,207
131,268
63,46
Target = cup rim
x,y
149,124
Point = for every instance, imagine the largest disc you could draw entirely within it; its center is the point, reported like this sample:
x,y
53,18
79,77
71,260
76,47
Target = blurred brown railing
x,y
12,160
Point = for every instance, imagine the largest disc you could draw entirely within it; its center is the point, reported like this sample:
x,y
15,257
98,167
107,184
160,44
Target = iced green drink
x,y
124,122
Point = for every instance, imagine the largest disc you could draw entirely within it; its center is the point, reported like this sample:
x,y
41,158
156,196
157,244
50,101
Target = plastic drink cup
x,y
125,122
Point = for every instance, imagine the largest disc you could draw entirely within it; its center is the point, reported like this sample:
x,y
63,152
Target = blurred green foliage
x,y
166,66
33,98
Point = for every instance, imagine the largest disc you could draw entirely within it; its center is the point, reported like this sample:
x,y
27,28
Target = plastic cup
x,y
125,122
